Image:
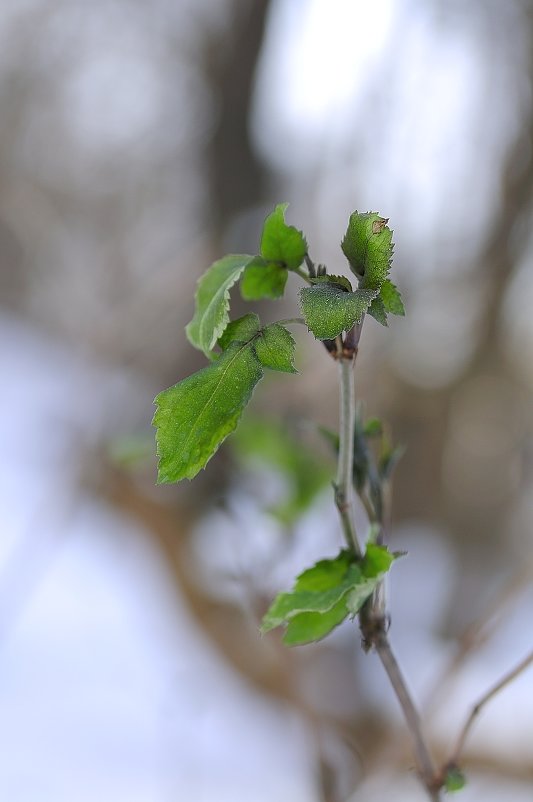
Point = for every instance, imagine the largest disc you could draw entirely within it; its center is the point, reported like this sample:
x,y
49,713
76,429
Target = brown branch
x,y
506,679
426,767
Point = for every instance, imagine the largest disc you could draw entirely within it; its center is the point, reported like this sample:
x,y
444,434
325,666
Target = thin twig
x,y
372,617
344,481
373,622
477,634
506,679
424,760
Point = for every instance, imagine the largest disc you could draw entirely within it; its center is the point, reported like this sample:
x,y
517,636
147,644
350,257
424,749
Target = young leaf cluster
x,y
326,594
195,416
283,248
332,306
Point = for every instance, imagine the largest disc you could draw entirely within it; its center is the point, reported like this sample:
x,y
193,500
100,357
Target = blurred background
x,y
139,142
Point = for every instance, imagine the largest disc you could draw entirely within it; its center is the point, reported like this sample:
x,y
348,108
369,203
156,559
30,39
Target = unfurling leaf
x,y
368,247
212,301
280,242
263,279
324,595
194,416
329,310
274,347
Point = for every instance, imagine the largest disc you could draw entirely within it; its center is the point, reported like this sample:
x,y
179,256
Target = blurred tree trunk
x,y
236,175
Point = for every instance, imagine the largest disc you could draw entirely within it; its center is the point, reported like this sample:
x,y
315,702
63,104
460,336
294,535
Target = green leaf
x,y
287,605
454,780
316,590
212,301
368,247
263,279
360,593
241,330
311,627
194,416
324,574
329,310
280,242
377,560
275,348
392,300
325,594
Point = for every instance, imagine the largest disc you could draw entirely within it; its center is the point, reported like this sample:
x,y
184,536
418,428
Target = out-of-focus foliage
x,y
305,474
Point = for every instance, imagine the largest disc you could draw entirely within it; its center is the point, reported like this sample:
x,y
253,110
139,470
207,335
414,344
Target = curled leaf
x,y
212,301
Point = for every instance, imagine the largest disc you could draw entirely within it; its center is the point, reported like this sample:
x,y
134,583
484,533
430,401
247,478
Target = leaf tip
x,y
379,224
